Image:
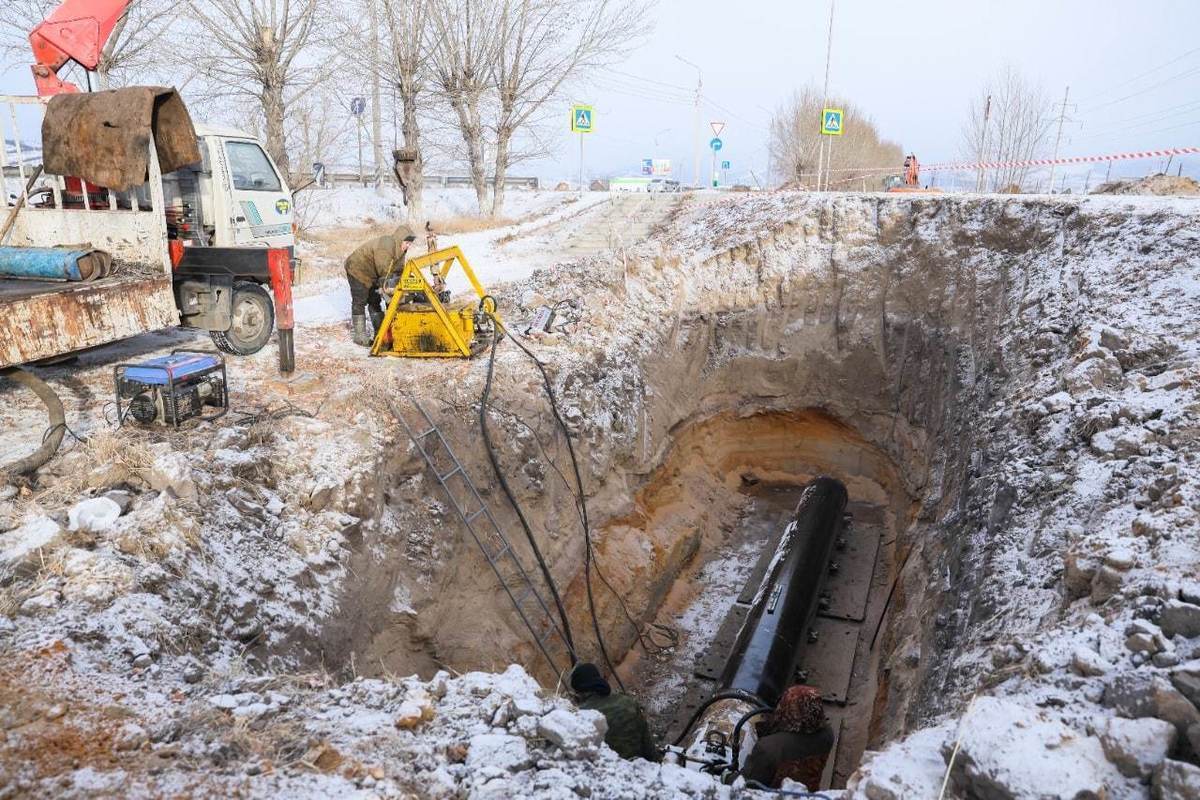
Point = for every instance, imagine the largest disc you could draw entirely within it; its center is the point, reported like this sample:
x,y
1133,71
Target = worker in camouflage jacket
x,y
628,732
366,268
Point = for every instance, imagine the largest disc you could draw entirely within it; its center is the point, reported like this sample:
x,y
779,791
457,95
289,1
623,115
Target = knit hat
x,y
799,711
586,679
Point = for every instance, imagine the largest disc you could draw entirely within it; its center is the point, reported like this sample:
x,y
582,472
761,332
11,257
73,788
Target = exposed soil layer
x,y
1008,386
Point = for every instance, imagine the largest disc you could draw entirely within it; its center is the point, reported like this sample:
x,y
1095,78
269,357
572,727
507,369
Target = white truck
x,y
198,246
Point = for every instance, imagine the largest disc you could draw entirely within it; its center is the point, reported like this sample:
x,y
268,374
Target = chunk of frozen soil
x,y
578,733
21,545
1011,752
1137,746
1176,780
498,750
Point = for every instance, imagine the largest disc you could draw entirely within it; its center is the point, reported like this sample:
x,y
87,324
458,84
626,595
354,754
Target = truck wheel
x,y
252,317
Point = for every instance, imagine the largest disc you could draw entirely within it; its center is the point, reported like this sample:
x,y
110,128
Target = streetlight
x,y
695,124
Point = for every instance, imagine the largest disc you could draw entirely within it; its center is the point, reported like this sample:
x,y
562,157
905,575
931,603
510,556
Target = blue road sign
x,y
724,165
358,105
715,144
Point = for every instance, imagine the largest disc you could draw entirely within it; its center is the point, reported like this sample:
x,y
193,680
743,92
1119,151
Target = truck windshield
x,y
251,170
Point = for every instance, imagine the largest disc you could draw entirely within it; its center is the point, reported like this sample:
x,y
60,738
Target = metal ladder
x,y
514,578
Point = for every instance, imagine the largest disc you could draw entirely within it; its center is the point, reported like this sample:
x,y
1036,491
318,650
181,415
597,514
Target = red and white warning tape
x,y
1035,162
1047,162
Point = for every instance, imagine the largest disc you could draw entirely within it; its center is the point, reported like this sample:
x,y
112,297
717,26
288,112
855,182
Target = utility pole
x,y
1062,117
981,173
821,161
695,124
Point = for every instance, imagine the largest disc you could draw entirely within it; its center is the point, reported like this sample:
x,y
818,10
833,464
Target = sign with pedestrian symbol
x,y
581,119
724,165
715,144
831,121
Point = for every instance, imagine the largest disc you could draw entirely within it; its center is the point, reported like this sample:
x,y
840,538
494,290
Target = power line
x,y
1139,76
651,80
1150,88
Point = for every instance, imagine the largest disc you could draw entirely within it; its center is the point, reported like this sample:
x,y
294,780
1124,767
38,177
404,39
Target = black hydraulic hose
x,y
737,730
537,553
587,529
58,422
728,694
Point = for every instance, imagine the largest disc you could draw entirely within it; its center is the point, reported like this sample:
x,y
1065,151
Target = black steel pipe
x,y
763,659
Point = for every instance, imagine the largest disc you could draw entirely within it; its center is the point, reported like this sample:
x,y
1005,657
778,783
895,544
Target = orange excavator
x,y
910,180
75,31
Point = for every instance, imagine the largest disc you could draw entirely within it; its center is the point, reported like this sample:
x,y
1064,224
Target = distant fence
x,y
334,179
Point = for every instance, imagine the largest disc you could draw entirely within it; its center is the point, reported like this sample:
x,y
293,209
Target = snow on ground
x,y
498,255
153,654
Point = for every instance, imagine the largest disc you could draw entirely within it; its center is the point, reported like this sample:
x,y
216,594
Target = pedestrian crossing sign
x,y
831,121
581,119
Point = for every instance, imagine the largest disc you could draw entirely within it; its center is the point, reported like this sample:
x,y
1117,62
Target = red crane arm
x,y
76,31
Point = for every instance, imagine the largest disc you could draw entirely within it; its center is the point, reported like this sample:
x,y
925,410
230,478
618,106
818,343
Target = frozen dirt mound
x,y
1027,365
1154,184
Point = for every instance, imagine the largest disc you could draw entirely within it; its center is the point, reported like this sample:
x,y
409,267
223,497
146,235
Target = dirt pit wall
x,y
912,326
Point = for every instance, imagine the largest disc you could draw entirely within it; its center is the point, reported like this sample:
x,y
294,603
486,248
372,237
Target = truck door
x,y
261,205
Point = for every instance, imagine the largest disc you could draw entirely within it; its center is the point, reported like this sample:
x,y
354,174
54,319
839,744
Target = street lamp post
x,y
695,124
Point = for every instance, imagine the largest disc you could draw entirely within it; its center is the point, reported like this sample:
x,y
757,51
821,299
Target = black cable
x,y
737,730
495,462
727,694
587,529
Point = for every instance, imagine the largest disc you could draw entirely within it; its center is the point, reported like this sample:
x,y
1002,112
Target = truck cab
x,y
233,202
235,196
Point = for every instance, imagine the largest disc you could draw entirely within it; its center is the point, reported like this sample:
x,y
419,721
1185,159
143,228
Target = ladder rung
x,y
426,433
450,474
474,515
494,556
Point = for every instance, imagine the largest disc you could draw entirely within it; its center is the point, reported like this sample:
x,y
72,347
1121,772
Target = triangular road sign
x,y
717,127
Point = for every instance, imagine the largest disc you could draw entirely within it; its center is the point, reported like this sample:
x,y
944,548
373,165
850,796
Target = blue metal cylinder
x,y
47,263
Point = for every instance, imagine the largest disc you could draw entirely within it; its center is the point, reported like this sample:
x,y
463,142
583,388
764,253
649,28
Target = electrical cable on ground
x,y
55,432
587,531
495,462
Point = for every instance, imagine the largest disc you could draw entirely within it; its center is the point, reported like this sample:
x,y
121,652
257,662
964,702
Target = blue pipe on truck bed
x,y
52,263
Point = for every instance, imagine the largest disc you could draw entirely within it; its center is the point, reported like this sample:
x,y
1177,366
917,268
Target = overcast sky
x,y
1133,69
912,65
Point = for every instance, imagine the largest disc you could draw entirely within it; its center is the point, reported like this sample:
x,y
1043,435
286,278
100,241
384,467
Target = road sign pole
x,y
581,165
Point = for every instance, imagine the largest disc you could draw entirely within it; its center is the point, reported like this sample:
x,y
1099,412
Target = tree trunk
x,y
472,133
376,113
412,139
274,112
503,137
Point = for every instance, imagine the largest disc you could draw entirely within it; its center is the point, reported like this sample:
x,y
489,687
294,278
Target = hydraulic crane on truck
x,y
78,31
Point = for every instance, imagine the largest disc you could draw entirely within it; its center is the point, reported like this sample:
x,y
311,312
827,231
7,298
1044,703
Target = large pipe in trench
x,y
762,662
764,655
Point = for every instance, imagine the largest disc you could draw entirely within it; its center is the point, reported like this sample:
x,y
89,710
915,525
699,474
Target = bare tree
x,y
408,24
1009,120
543,44
131,54
855,156
254,49
463,41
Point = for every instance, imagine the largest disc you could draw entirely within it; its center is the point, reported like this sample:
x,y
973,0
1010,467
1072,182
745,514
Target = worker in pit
x,y
793,742
628,732
366,268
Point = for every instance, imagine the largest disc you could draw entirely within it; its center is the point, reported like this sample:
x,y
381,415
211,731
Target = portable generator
x,y
172,389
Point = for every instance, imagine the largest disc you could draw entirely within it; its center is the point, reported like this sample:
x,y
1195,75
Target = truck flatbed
x,y
41,319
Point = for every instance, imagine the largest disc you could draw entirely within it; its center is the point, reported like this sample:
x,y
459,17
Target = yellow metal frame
x,y
412,279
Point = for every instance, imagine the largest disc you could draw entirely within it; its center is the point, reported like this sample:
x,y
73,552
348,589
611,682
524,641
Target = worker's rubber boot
x,y
376,318
361,334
